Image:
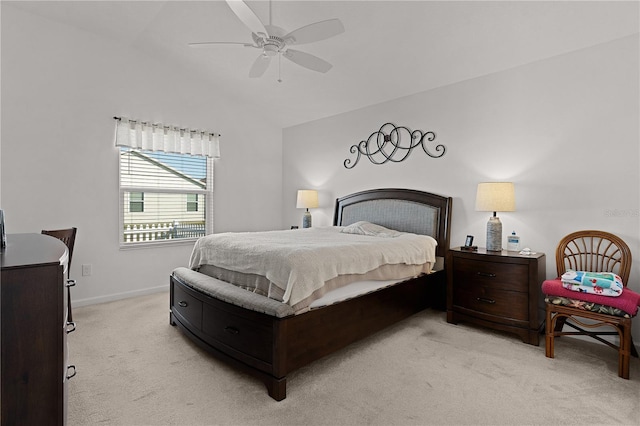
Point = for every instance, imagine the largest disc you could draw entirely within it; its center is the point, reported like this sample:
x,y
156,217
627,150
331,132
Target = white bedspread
x,y
300,261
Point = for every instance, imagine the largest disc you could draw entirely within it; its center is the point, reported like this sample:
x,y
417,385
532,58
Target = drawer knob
x,y
71,326
486,274
73,371
232,330
485,300
183,304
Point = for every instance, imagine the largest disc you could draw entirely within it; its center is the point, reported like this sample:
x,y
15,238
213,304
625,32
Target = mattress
x,y
235,295
383,277
360,288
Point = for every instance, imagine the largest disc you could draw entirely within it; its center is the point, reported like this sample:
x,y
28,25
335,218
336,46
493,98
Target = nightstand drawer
x,y
503,304
469,273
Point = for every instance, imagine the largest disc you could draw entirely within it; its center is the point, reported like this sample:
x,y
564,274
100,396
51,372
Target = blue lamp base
x,y
306,219
494,234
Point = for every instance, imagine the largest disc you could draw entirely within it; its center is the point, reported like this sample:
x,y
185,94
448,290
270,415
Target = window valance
x,y
159,137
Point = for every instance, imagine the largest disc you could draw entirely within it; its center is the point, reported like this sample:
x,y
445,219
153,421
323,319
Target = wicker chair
x,y
67,236
594,251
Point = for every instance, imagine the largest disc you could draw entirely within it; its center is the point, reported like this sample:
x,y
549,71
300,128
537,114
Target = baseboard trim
x,y
118,296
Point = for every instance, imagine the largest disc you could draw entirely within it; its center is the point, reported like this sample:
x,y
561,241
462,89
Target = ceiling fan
x,y
274,41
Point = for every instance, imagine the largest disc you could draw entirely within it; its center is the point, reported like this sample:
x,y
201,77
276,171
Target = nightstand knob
x,y
485,300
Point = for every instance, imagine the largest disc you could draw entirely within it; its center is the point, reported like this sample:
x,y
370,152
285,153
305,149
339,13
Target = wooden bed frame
x,y
269,347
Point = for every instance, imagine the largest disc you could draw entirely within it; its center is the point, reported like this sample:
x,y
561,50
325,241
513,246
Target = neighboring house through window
x,y
161,194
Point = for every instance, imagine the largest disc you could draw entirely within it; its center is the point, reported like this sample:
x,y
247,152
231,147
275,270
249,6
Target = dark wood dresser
x,y
500,290
34,330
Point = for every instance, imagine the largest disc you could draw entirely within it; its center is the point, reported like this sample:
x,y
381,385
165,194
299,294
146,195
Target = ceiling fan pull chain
x,y
279,68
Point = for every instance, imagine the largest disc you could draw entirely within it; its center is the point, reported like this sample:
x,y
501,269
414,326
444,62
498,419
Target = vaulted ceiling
x,y
389,49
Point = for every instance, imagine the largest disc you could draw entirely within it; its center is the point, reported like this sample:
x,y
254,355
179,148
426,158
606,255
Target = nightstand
x,y
499,290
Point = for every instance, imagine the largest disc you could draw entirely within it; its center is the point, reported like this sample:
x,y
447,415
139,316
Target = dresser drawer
x,y
487,300
468,273
239,334
187,307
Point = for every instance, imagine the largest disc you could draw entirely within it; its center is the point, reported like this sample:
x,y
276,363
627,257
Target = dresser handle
x,y
232,330
69,367
486,274
485,300
71,283
183,304
73,327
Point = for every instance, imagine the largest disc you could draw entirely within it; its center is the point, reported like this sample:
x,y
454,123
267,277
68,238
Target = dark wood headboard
x,y
405,210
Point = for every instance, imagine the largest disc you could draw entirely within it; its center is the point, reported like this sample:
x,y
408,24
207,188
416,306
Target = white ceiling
x,y
390,49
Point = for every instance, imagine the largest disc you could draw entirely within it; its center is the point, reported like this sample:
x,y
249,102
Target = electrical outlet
x,y
86,270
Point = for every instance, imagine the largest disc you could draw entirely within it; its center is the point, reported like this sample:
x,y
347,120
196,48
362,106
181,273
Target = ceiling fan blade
x,y
315,32
307,60
247,16
214,43
259,66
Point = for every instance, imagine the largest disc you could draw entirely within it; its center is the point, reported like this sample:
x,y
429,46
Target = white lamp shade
x,y
307,199
496,197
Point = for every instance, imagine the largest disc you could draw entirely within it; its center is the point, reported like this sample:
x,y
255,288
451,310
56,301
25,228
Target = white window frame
x,y
208,205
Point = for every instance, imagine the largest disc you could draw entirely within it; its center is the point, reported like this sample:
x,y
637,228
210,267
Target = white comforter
x,y
300,261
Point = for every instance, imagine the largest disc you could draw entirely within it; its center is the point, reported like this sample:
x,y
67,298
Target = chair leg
x,y
634,351
624,352
622,360
549,336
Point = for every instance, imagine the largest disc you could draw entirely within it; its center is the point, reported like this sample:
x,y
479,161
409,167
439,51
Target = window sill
x,y
158,244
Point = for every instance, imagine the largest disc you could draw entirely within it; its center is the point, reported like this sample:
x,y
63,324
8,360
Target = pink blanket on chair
x,y
628,301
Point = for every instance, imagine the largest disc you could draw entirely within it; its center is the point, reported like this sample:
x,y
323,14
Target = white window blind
x,y
164,196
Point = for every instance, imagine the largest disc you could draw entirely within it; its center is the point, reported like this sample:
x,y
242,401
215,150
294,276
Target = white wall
x,y
565,130
59,167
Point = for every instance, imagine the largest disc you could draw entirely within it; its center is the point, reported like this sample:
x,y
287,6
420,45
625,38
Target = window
x,y
164,196
192,202
166,182
136,202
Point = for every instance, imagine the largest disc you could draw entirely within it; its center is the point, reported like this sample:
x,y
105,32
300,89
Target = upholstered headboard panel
x,y
404,210
405,216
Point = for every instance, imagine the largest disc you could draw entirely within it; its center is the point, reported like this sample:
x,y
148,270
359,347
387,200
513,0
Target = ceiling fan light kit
x,y
274,41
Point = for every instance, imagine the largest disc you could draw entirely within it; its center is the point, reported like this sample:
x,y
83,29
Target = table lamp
x,y
495,197
307,199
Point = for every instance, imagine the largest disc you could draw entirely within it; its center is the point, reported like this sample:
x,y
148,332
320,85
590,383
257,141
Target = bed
x,y
269,339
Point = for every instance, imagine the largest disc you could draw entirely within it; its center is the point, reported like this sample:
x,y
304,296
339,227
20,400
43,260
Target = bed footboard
x,y
244,338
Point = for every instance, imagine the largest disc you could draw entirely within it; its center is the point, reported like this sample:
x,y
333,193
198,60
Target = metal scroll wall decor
x,y
386,145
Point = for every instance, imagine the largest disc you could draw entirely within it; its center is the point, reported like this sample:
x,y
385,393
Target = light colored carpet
x,y
133,368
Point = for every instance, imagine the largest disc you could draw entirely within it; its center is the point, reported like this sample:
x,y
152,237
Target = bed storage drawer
x,y
187,307
239,332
